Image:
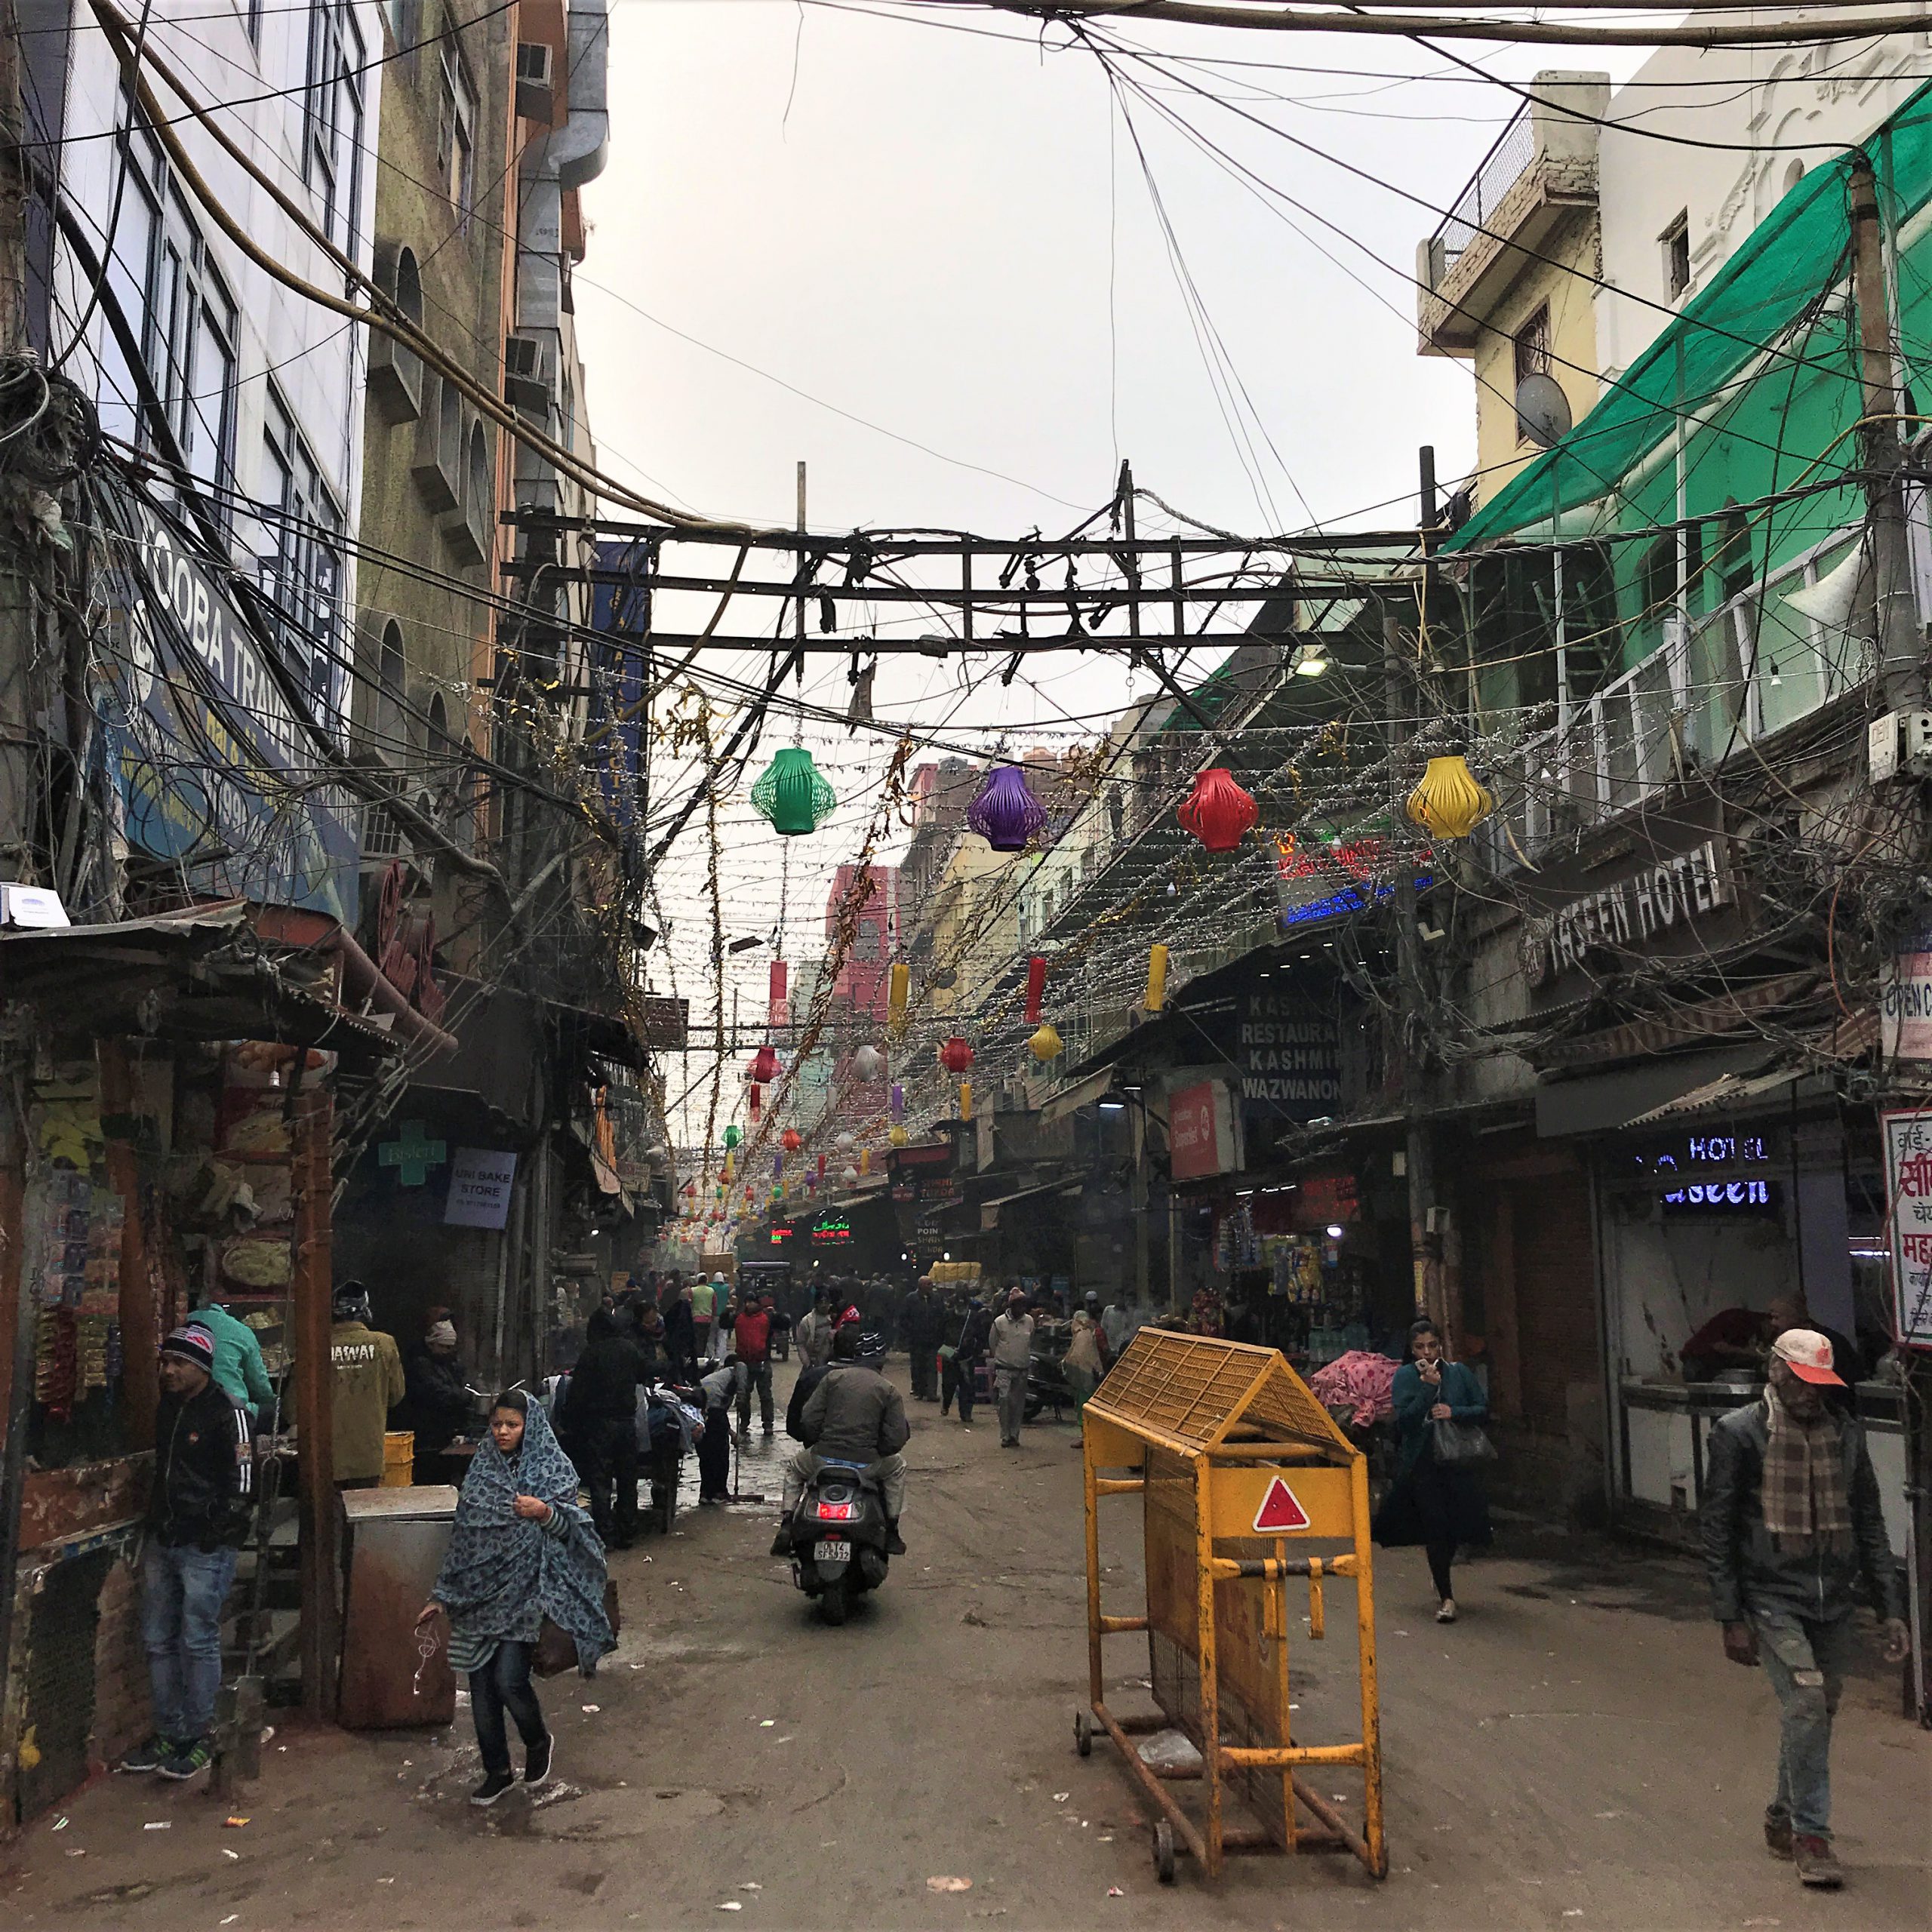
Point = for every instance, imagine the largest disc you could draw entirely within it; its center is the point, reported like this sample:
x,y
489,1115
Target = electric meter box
x,y
1899,744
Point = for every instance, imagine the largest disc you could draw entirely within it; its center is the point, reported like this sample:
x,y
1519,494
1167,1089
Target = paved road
x,y
1574,1753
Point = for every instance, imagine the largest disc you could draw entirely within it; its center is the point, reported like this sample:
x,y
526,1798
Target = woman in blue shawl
x,y
522,1550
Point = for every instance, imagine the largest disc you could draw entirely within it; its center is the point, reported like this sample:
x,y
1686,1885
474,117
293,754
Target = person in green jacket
x,y
238,1368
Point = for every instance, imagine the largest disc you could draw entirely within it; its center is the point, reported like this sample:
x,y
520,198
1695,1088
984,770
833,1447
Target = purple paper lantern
x,y
898,1107
1005,814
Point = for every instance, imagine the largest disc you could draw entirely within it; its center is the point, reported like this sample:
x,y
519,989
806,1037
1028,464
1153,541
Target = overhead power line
x,y
1367,21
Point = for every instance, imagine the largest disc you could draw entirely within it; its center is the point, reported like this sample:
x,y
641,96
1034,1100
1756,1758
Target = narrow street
x,y
1575,1751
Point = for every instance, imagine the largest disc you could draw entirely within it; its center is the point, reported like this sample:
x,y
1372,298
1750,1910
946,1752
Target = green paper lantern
x,y
733,1137
793,794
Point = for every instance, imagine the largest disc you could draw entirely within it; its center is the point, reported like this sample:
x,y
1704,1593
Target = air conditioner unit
x,y
526,379
438,468
536,93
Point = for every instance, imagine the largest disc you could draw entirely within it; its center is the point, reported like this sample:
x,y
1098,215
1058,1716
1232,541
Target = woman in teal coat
x,y
1438,1505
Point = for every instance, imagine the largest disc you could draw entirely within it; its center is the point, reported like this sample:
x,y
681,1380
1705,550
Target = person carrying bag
x,y
1437,1499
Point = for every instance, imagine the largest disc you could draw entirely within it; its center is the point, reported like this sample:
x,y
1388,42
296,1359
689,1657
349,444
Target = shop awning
x,y
989,1209
1605,1102
183,975
1081,1093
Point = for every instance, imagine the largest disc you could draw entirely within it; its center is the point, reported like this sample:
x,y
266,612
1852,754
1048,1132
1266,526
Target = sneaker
x,y
537,1761
185,1760
149,1755
1817,1863
492,1788
1447,1614
1777,1835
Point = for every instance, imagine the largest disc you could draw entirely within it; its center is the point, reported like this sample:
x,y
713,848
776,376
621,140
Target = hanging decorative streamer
x,y
778,1007
898,991
1157,978
1036,988
965,1099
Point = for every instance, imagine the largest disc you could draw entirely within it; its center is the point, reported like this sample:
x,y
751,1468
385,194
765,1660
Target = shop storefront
x,y
160,1157
1710,1215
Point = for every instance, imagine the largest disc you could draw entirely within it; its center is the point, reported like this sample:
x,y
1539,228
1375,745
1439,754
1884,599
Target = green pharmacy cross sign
x,y
412,1154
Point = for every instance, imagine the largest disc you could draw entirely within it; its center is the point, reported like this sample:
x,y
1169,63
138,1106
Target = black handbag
x,y
1460,1444
555,1650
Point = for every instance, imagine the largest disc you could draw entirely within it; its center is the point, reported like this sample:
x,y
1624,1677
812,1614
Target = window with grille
x,y
1532,342
332,118
1675,242
162,274
455,132
303,574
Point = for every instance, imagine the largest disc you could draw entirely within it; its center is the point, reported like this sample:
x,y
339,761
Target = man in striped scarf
x,y
1791,1526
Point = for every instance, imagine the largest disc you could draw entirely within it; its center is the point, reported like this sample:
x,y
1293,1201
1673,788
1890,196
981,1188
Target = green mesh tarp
x,y
1706,355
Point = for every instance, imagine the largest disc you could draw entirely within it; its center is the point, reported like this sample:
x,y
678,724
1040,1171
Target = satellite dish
x,y
1542,410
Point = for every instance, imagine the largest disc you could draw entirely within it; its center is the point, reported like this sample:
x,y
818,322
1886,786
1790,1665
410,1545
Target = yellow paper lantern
x,y
1450,801
898,991
897,1136
1046,1044
1157,978
865,1160
965,1099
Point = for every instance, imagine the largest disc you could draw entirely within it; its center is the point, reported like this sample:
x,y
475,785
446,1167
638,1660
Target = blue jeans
x,y
1806,1661
182,1591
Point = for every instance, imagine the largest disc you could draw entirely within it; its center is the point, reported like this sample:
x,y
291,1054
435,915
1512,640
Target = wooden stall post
x,y
313,1288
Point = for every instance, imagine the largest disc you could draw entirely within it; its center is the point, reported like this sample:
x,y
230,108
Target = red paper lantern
x,y
821,1167
956,1057
1036,988
1218,812
764,1064
791,1140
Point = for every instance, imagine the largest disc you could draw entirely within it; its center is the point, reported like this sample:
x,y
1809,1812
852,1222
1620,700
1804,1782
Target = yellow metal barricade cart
x,y
1245,1484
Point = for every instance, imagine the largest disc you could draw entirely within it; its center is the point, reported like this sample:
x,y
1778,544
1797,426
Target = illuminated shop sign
x,y
1733,1191
832,1233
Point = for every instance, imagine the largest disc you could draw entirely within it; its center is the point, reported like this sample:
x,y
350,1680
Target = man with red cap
x,y
1792,1525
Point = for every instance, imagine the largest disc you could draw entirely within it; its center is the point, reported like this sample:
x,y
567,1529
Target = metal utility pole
x,y
1902,654
1901,646
17,708
1402,698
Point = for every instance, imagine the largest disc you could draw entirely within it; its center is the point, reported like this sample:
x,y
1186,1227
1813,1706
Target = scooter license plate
x,y
832,1550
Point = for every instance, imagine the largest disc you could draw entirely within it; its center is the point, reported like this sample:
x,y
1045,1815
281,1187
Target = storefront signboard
x,y
1290,1058
216,772
1671,894
480,1181
1201,1131
1905,1000
1908,1221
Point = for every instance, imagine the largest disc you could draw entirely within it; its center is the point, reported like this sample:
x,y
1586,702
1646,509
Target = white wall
x,y
315,359
1752,97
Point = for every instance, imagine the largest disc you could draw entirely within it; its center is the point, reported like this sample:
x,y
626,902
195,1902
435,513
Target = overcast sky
x,y
944,227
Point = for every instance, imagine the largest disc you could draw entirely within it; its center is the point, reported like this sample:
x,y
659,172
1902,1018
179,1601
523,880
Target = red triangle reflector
x,y
1281,1510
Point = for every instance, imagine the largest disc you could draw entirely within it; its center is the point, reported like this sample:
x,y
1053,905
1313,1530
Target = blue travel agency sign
x,y
214,770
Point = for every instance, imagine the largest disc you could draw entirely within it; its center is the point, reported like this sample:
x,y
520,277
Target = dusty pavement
x,y
1575,1753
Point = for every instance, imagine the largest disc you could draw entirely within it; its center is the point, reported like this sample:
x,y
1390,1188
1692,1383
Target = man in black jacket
x,y
1791,1526
599,1427
197,1517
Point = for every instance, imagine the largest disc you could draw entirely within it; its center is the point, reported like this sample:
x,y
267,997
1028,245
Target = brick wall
x,y
122,1715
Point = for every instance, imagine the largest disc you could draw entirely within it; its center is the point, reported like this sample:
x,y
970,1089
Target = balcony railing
x,y
1500,170
1742,672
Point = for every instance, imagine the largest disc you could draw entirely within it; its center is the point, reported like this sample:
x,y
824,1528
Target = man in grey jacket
x,y
1792,1525
853,1416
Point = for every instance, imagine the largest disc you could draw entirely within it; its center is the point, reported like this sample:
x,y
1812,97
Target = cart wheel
x,y
1083,1733
1163,1852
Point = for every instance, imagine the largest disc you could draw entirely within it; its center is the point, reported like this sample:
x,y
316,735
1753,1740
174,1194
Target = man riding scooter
x,y
854,1415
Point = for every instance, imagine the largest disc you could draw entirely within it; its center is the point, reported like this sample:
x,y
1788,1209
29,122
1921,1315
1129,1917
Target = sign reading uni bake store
x,y
1676,896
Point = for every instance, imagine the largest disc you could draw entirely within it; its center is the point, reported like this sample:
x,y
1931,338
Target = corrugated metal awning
x,y
1081,1093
